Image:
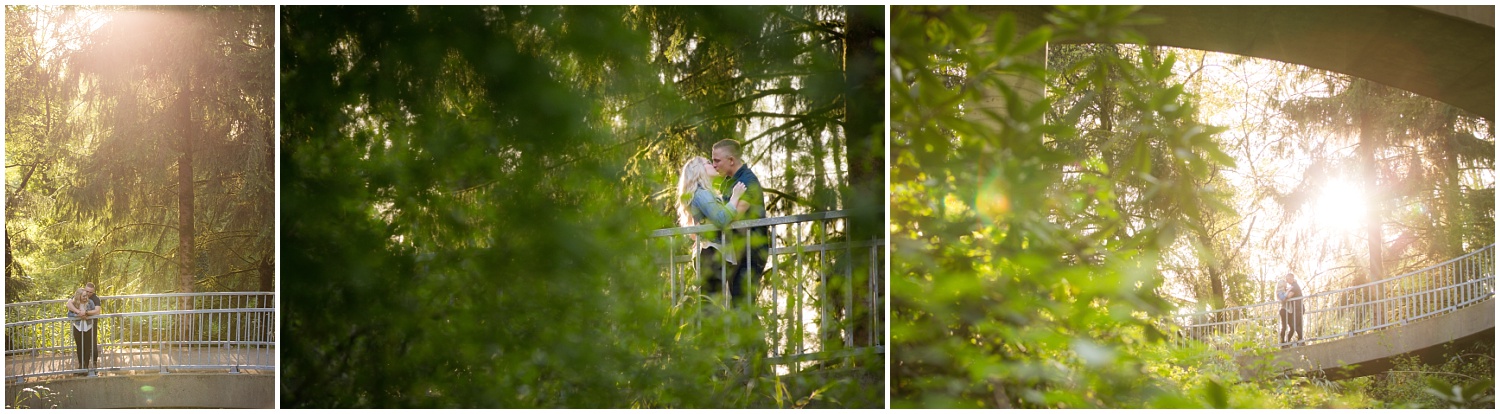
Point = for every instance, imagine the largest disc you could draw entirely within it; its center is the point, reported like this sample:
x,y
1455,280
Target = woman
x,y
83,340
697,203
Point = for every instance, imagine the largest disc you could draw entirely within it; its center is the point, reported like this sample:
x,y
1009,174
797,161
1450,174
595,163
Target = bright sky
x,y
50,31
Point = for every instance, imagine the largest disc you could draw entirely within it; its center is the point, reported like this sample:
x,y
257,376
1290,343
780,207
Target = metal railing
x,y
803,317
1424,293
230,331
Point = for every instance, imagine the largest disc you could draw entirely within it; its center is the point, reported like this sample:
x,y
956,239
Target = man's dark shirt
x,y
756,196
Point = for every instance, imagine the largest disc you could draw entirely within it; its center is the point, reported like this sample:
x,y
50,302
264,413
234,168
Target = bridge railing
x,y
808,302
1395,301
229,331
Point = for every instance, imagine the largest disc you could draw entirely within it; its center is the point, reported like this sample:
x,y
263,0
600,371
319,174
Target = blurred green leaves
x,y
1474,394
1026,269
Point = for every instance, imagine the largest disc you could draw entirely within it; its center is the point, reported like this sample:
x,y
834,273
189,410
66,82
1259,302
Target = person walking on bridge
x,y
1290,295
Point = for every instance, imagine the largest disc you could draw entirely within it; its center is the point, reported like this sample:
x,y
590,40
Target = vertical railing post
x,y
822,281
672,270
794,342
875,308
724,280
848,319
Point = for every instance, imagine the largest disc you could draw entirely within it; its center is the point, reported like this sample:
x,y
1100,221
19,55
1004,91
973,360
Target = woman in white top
x,y
698,203
80,307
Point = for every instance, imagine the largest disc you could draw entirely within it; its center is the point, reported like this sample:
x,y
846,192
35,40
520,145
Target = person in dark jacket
x,y
755,244
98,304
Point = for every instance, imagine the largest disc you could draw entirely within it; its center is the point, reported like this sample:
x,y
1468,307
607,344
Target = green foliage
x,y
1026,269
1463,379
1474,394
467,193
38,159
36,396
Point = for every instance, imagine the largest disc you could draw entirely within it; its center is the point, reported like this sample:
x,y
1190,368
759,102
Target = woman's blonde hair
x,y
79,296
693,177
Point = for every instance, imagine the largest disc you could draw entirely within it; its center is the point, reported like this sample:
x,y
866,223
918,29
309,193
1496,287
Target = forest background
x,y
139,151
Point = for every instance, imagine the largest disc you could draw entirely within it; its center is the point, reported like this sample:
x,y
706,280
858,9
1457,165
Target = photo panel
x,y
582,207
1192,206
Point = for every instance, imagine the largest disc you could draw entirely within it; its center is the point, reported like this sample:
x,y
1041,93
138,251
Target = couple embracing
x,y
83,308
720,190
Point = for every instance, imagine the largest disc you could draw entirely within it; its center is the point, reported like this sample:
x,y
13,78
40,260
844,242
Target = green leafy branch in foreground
x,y
1025,272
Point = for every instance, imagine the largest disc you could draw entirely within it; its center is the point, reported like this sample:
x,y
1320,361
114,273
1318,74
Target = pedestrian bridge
x,y
199,350
1359,330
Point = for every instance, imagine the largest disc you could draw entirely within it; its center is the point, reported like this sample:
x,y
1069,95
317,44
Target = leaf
x,y
1218,396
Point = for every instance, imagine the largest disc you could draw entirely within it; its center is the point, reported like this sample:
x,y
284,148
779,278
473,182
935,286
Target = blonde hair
x,y
79,297
694,176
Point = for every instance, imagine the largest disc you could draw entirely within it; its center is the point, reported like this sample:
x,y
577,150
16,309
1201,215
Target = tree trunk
x,y
1454,212
267,274
1368,141
12,273
185,254
864,135
1216,285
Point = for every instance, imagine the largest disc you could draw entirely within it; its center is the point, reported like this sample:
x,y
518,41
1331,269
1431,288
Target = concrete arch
x,y
1443,52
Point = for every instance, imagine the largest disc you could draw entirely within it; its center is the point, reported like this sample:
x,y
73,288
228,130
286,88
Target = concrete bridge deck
x,y
117,361
132,378
173,390
1374,352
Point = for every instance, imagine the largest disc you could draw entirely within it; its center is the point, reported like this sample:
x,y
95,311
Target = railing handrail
x,y
1347,289
132,314
745,224
143,295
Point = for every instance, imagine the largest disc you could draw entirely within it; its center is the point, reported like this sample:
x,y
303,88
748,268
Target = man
x,y
93,296
98,304
727,160
1290,295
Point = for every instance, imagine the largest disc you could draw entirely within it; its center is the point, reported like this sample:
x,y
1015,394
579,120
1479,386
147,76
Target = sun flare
x,y
1341,207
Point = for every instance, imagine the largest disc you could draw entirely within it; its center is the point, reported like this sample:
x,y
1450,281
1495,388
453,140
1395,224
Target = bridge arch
x,y
1446,53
